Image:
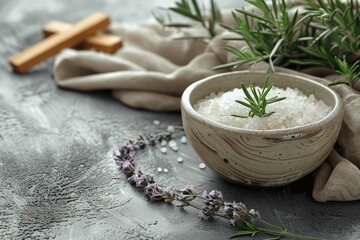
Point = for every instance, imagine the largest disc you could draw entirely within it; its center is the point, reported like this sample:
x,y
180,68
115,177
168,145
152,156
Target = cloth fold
x,y
153,70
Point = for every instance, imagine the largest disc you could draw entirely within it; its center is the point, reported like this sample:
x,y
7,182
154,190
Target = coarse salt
x,y
296,110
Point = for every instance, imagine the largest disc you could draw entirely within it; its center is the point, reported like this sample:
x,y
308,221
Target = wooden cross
x,y
83,32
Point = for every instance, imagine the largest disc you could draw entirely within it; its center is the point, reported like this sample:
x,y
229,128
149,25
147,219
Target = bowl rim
x,y
316,126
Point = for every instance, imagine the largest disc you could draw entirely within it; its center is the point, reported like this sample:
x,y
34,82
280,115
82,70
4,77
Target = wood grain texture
x,y
254,157
50,46
100,42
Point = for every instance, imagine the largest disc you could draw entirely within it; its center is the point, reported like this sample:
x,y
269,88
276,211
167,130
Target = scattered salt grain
x,y
163,143
296,110
183,140
179,159
202,166
170,128
163,150
156,122
174,148
165,170
159,169
172,143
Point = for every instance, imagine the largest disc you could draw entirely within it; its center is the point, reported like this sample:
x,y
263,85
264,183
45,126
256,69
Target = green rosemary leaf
x,y
211,28
250,14
252,107
266,87
325,34
242,233
257,103
160,19
197,10
275,8
233,38
247,94
268,114
339,82
255,94
250,225
275,49
239,116
232,64
177,25
191,37
215,13
186,13
275,99
274,238
309,62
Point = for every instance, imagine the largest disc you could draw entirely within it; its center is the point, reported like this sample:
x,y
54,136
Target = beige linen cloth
x,y
153,70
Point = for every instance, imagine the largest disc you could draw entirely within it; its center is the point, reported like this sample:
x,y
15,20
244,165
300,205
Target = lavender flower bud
x,y
254,215
235,211
155,193
127,167
238,213
140,180
186,195
213,203
126,152
151,140
169,195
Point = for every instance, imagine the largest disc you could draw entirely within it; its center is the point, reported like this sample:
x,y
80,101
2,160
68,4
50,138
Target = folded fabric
x,y
150,72
153,70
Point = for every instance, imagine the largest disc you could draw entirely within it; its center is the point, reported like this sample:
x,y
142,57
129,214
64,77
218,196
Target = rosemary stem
x,y
285,233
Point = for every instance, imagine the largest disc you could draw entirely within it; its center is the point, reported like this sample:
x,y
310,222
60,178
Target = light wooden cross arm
x,y
100,42
50,46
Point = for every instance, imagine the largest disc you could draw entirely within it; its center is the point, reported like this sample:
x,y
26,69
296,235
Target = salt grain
x,y
172,143
163,143
183,139
170,128
180,160
202,166
174,148
296,110
156,122
163,150
165,170
159,169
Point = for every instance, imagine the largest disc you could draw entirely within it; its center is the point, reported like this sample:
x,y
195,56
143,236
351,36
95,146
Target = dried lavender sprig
x,y
214,204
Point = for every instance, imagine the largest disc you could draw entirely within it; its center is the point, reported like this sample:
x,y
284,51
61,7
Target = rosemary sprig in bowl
x,y
256,100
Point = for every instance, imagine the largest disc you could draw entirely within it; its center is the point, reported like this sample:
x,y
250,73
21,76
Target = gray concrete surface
x,y
56,170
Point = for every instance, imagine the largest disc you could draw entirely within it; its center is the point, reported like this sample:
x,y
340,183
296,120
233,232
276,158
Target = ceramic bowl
x,y
261,158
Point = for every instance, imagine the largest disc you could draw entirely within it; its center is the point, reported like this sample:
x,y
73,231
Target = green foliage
x,y
351,73
272,35
191,10
338,23
322,35
256,100
327,31
276,232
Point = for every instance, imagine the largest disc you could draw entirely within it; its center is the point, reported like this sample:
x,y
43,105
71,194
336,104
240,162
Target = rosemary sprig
x,y
256,100
321,36
351,73
191,10
274,36
338,23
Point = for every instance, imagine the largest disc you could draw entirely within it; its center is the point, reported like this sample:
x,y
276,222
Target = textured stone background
x,y
56,170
